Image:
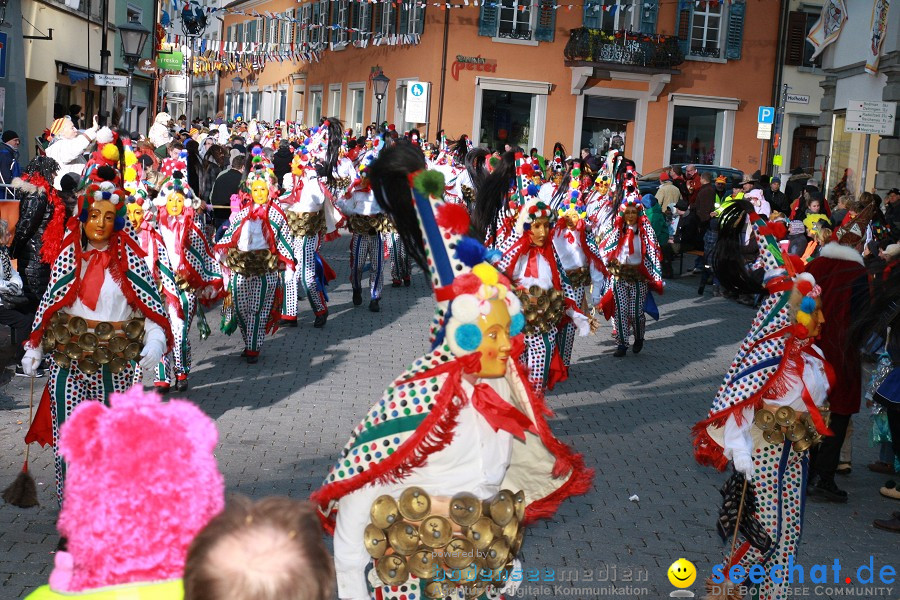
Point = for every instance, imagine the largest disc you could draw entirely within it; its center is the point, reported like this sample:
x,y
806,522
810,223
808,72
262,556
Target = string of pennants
x,y
226,55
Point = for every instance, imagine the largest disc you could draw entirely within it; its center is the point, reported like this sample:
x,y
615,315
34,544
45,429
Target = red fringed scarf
x,y
53,235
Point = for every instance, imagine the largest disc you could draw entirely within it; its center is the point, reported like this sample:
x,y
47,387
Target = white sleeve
x,y
153,333
68,151
737,437
350,555
287,182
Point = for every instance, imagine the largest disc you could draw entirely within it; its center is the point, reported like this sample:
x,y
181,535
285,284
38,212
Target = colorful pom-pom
x,y
454,218
532,189
516,324
808,305
469,251
486,273
466,284
576,172
468,337
430,183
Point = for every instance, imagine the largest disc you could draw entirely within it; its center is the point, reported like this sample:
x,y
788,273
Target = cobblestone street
x,y
283,421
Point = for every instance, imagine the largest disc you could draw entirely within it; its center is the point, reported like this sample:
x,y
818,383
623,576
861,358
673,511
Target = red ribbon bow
x,y
259,211
629,239
500,414
98,261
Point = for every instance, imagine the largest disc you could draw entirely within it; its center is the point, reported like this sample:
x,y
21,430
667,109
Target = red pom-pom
x,y
466,284
797,263
453,218
391,127
804,286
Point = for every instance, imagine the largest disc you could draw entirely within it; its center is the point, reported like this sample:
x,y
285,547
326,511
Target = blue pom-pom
x,y
808,305
469,251
83,215
532,189
574,194
493,256
468,337
119,224
516,324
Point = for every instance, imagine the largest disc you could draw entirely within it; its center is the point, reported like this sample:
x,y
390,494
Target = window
x,y
799,49
287,27
361,22
250,32
254,104
260,30
341,20
272,34
388,21
324,14
697,135
515,20
281,110
706,29
355,100
315,107
334,100
238,33
306,16
600,14
412,18
133,14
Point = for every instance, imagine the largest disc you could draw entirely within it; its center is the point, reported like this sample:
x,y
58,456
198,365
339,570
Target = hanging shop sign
x,y
170,61
472,63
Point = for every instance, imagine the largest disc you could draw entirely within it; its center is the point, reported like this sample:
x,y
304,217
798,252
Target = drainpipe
x,y
779,71
440,117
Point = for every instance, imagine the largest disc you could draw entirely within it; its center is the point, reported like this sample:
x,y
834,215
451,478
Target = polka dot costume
x,y
400,265
178,360
302,281
567,333
253,298
69,388
539,349
367,248
629,315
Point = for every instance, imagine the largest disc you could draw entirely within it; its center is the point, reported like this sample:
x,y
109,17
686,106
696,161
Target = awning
x,y
74,72
76,75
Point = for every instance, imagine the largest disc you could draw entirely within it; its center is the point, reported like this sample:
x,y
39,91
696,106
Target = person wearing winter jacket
x,y
42,218
68,147
281,160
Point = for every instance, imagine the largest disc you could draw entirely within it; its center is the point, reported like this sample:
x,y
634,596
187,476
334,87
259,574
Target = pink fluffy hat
x,y
141,481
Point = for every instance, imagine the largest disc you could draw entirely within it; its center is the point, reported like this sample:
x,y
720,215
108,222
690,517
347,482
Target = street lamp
x,y
380,83
236,84
134,38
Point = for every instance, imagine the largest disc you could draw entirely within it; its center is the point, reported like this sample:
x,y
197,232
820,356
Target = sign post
x,y
764,119
101,79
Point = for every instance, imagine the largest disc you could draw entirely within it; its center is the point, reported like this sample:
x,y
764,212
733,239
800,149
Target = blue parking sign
x,y
766,115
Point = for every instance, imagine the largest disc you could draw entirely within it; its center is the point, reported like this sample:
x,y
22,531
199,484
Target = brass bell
x,y
474,590
516,544
117,344
88,366
88,342
435,531
496,554
73,351
133,329
468,575
501,508
458,553
422,564
465,509
104,331
62,359
384,512
436,590
404,538
482,533
519,502
802,444
49,336
59,317
775,436
375,541
796,432
764,419
785,416
47,344
61,333
534,291
132,351
77,326
392,569
117,365
510,530
414,504
102,355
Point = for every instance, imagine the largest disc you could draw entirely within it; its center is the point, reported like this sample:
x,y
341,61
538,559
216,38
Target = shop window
x,y
505,119
799,49
848,152
697,134
282,105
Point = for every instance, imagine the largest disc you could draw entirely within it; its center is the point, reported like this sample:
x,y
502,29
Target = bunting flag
x,y
828,27
877,29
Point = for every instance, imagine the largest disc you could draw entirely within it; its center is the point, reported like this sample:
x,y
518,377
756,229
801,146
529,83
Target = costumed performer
x,y
196,272
101,311
460,427
769,410
632,257
142,482
254,248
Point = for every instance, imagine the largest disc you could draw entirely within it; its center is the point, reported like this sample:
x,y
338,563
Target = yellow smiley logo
x,y
682,573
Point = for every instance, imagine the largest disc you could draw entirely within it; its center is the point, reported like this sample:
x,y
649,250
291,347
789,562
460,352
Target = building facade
x,y
667,82
141,13
841,152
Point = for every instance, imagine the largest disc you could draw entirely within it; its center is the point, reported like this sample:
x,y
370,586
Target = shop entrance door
x,y
506,118
603,135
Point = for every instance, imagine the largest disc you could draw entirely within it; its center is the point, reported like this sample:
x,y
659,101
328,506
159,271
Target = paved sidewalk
x,y
283,421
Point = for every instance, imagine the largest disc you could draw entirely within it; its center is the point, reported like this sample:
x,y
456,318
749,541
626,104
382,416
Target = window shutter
x,y
546,21
487,20
649,10
591,17
685,21
404,17
796,38
420,20
735,30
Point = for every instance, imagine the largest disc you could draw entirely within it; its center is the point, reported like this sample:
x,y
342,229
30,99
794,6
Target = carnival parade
x,y
273,348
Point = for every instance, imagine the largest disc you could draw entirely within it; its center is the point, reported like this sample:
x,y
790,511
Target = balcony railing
x,y
623,47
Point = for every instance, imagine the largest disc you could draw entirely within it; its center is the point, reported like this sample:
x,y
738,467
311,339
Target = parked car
x,y
649,183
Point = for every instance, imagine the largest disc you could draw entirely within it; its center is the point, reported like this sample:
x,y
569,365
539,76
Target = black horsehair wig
x,y
389,176
44,166
728,260
476,160
490,197
332,155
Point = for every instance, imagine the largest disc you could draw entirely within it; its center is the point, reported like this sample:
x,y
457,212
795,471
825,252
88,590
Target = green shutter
x,y
590,17
649,10
404,17
487,20
735,30
420,19
546,21
683,25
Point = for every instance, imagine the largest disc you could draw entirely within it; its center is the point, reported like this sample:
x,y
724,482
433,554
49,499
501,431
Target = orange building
x,y
670,80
